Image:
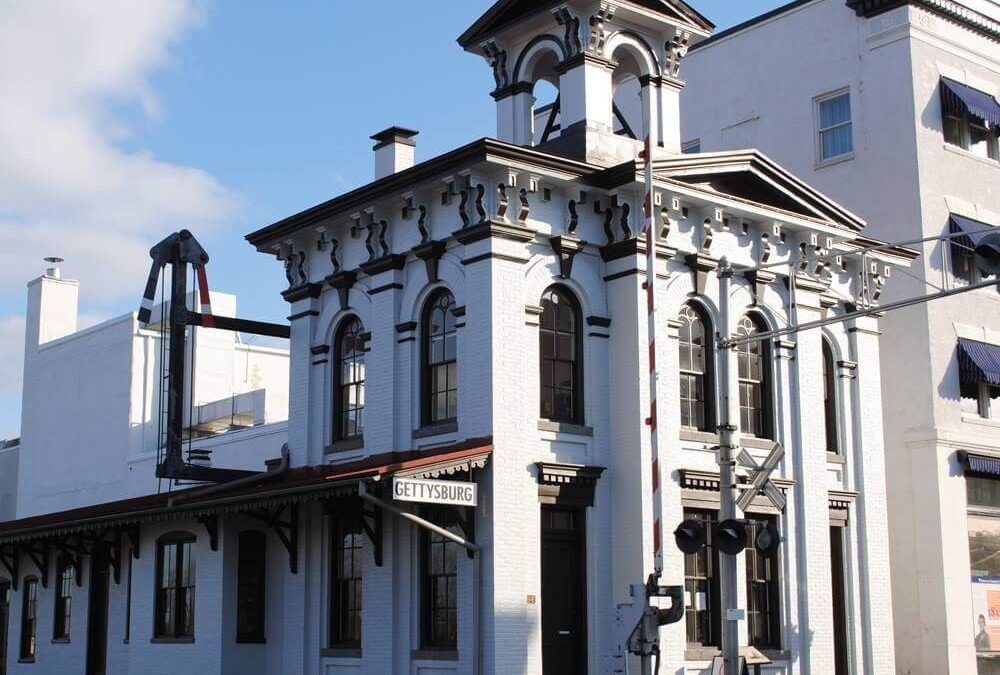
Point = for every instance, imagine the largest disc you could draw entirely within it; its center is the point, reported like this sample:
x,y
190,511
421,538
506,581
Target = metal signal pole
x,y
729,443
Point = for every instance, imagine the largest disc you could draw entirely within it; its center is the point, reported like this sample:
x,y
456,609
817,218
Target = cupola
x,y
587,79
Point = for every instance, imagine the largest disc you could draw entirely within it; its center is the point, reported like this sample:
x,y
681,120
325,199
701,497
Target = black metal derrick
x,y
287,530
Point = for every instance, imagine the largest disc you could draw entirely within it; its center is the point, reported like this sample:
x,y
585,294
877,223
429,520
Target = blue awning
x,y
958,98
984,465
972,230
979,362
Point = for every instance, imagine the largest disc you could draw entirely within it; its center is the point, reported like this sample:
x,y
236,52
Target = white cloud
x,y
67,187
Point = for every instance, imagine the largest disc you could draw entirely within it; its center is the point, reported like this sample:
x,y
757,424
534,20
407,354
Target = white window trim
x,y
819,130
993,153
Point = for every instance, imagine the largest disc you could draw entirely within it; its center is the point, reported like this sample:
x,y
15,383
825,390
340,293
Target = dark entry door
x,y
97,622
4,619
564,592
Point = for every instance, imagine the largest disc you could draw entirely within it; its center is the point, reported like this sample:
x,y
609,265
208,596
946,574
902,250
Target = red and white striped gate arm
x,y
208,321
651,421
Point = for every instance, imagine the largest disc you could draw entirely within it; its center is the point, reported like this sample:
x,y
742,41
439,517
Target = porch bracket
x,y
211,524
40,557
287,531
371,522
10,558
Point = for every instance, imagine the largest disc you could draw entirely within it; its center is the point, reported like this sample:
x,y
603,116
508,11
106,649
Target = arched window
x,y
65,577
349,380
440,359
697,393
626,100
830,398
561,343
175,585
755,380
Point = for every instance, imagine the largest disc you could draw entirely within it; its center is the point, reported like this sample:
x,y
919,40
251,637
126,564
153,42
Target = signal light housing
x,y
768,540
690,536
731,536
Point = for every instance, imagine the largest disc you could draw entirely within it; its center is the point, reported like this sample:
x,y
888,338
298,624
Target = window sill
x,y
752,442
565,428
436,429
60,641
835,458
434,655
340,652
839,159
172,641
969,155
251,641
979,420
31,660
345,445
698,653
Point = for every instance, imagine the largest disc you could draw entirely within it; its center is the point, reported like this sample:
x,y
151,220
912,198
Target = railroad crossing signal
x,y
760,478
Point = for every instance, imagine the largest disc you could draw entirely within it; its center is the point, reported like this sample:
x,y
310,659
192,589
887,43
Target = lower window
x,y
346,599
251,588
439,591
175,587
984,555
29,618
703,602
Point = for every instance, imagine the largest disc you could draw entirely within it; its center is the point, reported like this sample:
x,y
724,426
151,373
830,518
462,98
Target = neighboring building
x,y
480,317
9,456
892,108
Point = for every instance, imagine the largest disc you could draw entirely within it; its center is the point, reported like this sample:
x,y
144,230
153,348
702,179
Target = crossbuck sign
x,y
760,478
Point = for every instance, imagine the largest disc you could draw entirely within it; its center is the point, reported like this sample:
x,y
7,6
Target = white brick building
x,y
481,317
893,108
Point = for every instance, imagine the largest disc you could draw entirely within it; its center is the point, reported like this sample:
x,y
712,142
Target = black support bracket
x,y
10,558
286,530
372,523
38,553
211,523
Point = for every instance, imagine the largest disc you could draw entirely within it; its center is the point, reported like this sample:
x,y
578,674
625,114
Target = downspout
x,y
264,476
462,541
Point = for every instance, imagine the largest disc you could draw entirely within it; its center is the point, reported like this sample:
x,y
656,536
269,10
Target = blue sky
x,y
135,118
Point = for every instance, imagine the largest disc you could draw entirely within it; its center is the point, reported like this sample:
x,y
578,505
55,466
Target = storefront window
x,y
984,554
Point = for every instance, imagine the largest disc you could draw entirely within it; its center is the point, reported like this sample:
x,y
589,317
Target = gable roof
x,y
506,12
753,176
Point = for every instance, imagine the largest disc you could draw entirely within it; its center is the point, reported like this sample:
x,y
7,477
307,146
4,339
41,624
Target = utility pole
x,y
729,443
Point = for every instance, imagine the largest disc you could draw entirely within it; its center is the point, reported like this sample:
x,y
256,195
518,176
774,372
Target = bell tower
x,y
587,79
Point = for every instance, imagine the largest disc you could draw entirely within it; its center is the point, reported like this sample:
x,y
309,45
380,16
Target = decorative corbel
x,y
675,50
574,218
502,202
759,281
566,247
343,281
609,215
498,61
370,234
430,253
522,214
598,34
701,265
571,40
623,221
211,524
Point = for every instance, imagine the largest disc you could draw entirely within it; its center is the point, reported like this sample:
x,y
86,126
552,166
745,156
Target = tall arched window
x,y
440,358
561,343
755,380
349,380
697,393
830,398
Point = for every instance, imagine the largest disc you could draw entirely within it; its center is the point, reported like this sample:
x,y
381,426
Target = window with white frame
x,y
970,118
834,127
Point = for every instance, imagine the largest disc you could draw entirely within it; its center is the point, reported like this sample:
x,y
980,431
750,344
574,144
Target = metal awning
x,y
958,98
973,231
979,362
983,465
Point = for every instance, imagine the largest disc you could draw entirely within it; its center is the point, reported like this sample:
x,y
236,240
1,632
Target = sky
x,y
125,120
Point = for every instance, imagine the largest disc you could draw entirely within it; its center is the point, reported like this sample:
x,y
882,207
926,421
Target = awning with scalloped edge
x,y
958,98
979,362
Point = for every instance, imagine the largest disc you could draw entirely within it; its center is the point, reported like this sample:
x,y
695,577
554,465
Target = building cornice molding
x,y
960,14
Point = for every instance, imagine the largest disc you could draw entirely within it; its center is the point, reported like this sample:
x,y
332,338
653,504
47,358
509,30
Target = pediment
x,y
752,176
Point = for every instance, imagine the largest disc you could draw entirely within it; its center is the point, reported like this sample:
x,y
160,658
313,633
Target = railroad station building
x,y
480,318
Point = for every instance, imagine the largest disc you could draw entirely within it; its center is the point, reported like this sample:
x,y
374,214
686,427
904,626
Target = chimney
x,y
52,306
394,151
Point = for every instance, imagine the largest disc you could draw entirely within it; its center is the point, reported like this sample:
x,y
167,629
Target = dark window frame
x,y
706,376
350,327
755,416
63,613
432,543
710,619
575,364
183,597
831,407
251,588
442,300
29,620
346,610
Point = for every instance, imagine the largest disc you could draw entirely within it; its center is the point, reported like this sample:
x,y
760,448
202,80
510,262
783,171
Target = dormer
x,y
585,78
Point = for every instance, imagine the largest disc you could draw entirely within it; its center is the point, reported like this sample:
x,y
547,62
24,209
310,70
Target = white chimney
x,y
52,306
394,151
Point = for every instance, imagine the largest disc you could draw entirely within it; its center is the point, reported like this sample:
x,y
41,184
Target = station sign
x,y
426,491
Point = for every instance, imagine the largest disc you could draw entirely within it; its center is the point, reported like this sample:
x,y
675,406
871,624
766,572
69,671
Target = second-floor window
x,y
830,398
754,361
835,129
696,386
349,384
65,577
560,334
440,353
175,585
971,119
